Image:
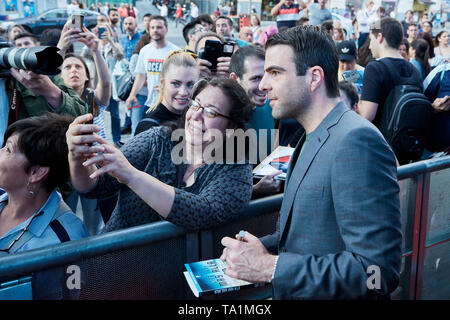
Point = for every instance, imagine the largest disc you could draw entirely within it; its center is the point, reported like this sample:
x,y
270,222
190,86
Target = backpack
x,y
406,118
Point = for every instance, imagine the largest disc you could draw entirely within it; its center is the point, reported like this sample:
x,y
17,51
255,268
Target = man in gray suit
x,y
339,233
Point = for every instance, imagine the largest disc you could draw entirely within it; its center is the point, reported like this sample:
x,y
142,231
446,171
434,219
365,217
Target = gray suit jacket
x,y
340,214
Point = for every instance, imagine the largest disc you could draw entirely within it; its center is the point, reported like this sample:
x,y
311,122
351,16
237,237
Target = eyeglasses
x,y
193,54
22,233
206,111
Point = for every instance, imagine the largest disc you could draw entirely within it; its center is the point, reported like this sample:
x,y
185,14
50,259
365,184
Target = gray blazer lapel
x,y
294,158
297,170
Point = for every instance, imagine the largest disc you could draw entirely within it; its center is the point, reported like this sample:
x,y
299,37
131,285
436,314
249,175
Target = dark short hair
x,y
230,22
204,35
241,107
350,90
25,35
157,17
301,21
204,18
327,26
412,24
147,15
391,30
187,28
237,63
112,9
312,47
50,37
42,140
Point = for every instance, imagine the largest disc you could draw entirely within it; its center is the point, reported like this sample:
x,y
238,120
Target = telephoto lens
x,y
41,60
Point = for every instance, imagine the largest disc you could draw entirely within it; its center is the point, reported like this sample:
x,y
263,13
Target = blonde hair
x,y
177,59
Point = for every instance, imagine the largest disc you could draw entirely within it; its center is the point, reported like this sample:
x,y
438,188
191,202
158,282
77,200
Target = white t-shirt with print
x,y
150,62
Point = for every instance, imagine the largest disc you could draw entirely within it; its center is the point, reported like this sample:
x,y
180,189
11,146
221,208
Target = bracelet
x,y
274,268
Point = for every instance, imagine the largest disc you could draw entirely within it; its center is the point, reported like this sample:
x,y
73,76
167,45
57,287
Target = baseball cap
x,y
346,50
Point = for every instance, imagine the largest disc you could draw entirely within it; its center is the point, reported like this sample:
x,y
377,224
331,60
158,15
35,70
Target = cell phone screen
x,y
101,30
77,21
228,49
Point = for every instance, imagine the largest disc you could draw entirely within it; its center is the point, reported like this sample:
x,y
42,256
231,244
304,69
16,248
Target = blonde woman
x,y
338,32
179,73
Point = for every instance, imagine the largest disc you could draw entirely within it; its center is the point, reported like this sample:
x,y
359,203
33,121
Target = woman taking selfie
x,y
179,73
196,194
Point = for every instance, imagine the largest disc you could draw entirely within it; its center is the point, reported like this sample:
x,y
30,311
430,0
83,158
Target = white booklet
x,y
278,160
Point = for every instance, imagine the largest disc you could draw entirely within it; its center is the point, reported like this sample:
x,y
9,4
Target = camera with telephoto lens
x,y
40,60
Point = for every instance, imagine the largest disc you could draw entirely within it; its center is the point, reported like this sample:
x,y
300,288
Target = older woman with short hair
x,y
33,162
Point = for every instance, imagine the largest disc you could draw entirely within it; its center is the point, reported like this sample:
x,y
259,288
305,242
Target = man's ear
x,y
234,76
380,38
38,174
317,78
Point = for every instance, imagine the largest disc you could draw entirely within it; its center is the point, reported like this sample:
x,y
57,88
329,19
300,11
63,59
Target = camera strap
x,y
13,103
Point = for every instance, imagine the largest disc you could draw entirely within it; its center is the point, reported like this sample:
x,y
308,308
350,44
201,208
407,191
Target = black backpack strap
x,y
414,80
57,228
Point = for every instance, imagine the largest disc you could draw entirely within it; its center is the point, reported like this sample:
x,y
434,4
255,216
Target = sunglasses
x,y
192,54
22,233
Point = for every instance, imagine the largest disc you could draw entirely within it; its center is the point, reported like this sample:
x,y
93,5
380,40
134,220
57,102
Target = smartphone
x,y
213,50
92,105
351,75
101,30
77,21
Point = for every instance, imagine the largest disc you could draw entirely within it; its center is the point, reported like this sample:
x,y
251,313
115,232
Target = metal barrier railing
x,y
421,173
23,264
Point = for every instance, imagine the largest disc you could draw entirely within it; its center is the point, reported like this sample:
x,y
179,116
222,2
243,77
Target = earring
x,y
30,191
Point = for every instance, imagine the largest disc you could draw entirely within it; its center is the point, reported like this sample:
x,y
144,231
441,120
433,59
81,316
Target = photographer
x,y
25,93
223,63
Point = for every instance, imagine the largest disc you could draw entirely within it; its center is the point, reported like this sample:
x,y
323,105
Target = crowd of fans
x,y
121,185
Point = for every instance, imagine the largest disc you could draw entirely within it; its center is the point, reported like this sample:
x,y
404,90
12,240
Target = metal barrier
x,y
147,262
426,229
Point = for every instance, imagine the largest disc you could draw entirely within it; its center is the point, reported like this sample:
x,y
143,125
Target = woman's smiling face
x,y
177,87
200,128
